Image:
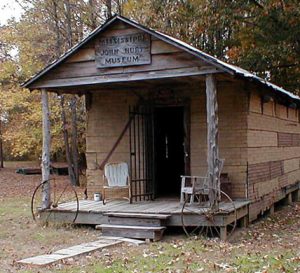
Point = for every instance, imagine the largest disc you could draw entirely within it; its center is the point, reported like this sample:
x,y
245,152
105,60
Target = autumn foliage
x,y
259,35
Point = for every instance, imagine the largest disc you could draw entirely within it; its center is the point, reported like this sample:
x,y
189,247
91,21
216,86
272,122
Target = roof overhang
x,y
218,64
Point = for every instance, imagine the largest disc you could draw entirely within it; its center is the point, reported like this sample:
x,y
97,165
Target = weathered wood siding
x,y
273,153
81,68
109,113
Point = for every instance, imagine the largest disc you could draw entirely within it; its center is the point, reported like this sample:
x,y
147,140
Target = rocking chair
x,y
116,176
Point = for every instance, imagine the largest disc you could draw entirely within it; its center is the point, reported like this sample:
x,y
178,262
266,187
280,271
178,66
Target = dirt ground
x,y
272,244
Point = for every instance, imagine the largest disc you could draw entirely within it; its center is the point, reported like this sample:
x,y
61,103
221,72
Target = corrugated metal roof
x,y
223,66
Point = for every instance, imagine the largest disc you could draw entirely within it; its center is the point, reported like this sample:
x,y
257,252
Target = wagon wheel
x,y
61,192
207,214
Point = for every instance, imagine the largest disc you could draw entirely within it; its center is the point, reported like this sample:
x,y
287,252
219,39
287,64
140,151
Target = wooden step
x,y
135,232
114,220
138,215
133,219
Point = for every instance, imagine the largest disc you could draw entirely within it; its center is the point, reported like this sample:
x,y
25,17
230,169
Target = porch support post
x,y
223,233
46,150
212,140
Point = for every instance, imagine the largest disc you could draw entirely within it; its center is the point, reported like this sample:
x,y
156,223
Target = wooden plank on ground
x,y
85,248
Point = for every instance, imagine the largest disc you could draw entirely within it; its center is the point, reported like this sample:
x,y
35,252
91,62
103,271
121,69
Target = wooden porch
x,y
168,211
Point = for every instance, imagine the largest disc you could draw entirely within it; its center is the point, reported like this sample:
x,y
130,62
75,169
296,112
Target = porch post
x,y
212,139
46,150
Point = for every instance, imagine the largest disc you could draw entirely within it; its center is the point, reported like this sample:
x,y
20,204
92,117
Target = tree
x,y
1,147
33,41
108,7
268,41
261,36
204,24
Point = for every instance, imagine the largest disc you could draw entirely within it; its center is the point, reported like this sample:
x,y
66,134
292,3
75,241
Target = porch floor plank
x,y
93,212
70,204
99,207
143,207
155,207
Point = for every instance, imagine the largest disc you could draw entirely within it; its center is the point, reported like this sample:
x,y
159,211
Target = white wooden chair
x,y
192,184
116,177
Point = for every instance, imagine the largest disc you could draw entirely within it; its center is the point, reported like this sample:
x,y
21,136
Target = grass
x,y
175,255
268,246
287,262
191,256
157,257
14,207
21,237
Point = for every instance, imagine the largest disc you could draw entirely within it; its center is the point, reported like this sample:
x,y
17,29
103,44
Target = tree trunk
x,y
119,6
108,6
72,158
66,141
67,10
46,192
1,146
69,22
57,31
74,140
212,140
93,17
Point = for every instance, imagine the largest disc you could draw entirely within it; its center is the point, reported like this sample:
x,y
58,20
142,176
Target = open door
x,y
170,150
159,150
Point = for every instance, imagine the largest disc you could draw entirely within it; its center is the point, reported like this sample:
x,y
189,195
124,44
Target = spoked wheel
x,y
61,192
198,219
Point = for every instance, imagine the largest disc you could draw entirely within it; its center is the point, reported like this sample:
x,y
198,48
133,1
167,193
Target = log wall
x,y
109,113
273,151
107,116
232,135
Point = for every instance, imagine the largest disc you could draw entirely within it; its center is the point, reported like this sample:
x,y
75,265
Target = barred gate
x,y
141,141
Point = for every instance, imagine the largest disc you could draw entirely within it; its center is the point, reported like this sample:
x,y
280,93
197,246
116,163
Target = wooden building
x,y
146,99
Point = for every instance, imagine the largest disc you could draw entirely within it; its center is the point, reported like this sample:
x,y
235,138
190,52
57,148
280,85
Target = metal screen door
x,y
141,141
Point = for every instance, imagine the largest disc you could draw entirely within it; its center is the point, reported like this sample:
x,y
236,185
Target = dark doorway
x,y
169,150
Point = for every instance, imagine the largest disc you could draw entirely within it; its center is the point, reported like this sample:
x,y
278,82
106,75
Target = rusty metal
x,y
207,215
60,193
141,152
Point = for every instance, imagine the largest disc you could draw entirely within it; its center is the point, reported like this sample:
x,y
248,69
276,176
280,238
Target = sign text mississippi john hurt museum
x,y
123,50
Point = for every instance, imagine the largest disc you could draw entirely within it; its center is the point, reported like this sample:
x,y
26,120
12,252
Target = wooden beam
x,y
223,233
288,199
297,196
46,150
123,78
212,139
